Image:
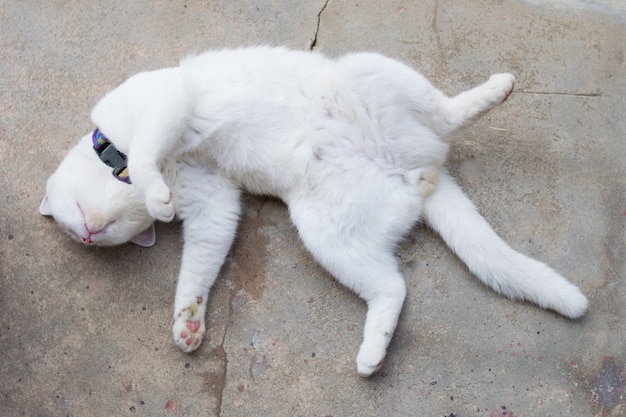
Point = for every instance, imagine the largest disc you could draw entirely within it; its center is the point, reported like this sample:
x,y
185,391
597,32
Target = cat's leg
x,y
465,108
209,207
402,101
384,295
157,134
352,231
146,117
366,268
144,169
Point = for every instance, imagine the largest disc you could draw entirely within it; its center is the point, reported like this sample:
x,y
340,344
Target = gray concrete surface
x,y
86,332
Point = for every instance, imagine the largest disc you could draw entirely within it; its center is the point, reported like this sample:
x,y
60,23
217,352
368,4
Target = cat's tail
x,y
450,213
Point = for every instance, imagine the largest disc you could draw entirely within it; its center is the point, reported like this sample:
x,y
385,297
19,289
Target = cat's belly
x,y
265,163
262,180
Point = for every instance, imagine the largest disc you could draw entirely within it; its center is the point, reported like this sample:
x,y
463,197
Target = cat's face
x,y
94,207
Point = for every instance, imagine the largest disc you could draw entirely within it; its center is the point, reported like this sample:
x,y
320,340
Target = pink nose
x,y
86,240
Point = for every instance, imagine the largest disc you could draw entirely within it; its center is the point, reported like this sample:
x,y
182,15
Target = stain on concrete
x,y
250,250
501,411
470,169
607,387
247,272
614,246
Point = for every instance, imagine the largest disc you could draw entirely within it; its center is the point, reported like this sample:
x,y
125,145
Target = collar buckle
x,y
109,154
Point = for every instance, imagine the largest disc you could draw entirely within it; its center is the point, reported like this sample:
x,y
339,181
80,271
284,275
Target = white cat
x,y
353,146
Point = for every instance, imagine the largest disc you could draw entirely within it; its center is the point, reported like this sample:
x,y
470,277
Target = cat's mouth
x,y
90,235
87,240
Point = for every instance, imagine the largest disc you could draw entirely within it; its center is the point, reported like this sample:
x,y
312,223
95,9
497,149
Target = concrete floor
x,y
86,331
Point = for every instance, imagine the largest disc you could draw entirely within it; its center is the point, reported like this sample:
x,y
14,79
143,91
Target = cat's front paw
x,y
160,203
188,329
500,87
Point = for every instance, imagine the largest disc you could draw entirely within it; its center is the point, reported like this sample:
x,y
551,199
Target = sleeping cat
x,y
353,146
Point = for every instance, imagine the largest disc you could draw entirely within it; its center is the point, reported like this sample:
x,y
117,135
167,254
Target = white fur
x,y
354,147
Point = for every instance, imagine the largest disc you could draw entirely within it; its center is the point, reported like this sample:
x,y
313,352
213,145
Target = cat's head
x,y
93,206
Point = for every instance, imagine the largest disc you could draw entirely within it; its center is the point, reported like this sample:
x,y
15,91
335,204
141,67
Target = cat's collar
x,y
109,154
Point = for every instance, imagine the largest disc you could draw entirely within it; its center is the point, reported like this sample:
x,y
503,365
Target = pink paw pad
x,y
192,325
188,328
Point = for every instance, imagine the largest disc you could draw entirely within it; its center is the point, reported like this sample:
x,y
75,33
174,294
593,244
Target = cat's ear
x,y
44,207
146,238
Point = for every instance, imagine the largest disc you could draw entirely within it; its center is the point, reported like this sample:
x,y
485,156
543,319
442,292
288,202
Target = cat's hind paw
x,y
160,203
188,329
499,87
370,359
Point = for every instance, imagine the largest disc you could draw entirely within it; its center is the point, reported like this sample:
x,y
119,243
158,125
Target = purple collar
x,y
111,156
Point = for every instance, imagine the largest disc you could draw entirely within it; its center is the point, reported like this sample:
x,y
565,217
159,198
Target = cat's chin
x,y
94,241
145,238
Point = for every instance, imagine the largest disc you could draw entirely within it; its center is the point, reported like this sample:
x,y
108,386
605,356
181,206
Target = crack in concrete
x,y
317,29
559,93
220,351
435,29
